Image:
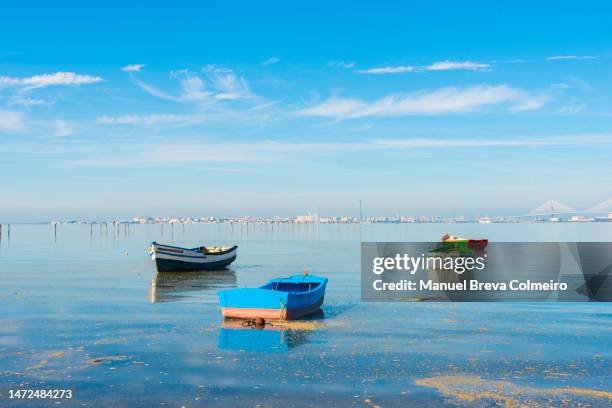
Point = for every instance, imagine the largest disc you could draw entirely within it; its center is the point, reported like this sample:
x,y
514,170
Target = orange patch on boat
x,y
253,313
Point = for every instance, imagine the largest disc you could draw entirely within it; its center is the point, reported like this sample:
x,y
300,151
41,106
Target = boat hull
x,y
175,259
473,244
172,265
478,244
269,313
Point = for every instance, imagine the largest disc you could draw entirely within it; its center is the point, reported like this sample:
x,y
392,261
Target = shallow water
x,y
83,310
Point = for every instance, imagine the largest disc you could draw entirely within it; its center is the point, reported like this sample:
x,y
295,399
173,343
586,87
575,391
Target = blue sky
x,y
208,109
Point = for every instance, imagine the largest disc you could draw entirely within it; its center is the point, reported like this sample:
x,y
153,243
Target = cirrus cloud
x,y
217,84
167,153
436,66
452,65
270,61
133,68
44,80
441,101
571,57
388,70
341,64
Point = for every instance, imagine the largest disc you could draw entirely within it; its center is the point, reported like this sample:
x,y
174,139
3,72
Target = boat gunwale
x,y
156,248
320,281
300,293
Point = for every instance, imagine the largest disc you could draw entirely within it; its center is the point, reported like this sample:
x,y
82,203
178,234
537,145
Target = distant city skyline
x,y
551,210
276,109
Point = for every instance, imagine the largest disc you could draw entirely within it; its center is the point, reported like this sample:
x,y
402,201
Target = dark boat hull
x,y
172,265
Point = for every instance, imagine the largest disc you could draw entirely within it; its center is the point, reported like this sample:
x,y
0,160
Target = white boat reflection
x,y
174,286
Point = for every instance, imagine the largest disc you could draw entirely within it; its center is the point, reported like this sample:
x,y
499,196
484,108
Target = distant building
x,y
305,219
577,218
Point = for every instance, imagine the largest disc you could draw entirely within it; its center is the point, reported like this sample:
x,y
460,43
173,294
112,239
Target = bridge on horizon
x,y
551,208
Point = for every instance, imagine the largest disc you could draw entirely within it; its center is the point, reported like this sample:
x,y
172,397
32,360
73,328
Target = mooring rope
x,y
252,324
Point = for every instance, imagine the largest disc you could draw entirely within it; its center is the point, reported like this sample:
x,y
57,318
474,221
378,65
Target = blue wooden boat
x,y
281,299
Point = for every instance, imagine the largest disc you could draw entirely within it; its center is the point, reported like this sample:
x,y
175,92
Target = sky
x,y
119,109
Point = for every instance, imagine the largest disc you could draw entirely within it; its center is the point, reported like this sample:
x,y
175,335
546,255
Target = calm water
x,y
83,310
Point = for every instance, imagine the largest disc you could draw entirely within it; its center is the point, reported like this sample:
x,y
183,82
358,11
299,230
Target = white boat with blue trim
x,y
170,258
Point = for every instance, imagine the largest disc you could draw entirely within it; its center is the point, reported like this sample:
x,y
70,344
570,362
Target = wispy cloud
x,y
571,57
572,109
44,80
154,91
63,128
133,68
440,101
229,85
18,123
388,70
341,64
22,101
436,66
452,65
219,84
270,61
245,153
12,122
171,154
192,86
249,116
419,143
153,119
529,103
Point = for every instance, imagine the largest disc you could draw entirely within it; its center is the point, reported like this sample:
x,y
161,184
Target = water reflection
x,y
174,286
274,337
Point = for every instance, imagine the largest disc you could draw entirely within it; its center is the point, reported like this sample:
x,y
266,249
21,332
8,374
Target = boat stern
x,y
245,303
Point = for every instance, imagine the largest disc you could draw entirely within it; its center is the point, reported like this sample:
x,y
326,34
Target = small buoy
x,y
126,253
260,322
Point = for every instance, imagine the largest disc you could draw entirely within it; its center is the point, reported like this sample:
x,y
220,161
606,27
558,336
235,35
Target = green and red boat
x,y
454,242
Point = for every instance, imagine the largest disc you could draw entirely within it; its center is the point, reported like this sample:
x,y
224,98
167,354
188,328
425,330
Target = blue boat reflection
x,y
274,337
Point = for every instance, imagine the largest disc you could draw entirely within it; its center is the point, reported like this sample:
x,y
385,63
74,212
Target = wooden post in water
x,y
0,232
9,232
